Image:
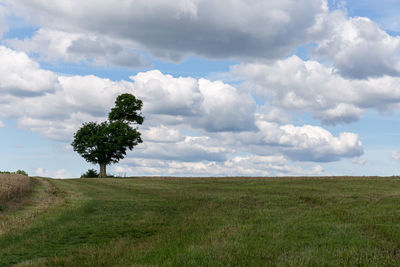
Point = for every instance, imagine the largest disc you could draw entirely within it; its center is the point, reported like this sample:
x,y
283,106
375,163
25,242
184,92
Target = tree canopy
x,y
107,142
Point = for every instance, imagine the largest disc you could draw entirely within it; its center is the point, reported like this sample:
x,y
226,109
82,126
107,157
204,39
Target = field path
x,y
43,196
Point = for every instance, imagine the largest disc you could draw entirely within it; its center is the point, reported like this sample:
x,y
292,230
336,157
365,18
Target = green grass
x,y
206,222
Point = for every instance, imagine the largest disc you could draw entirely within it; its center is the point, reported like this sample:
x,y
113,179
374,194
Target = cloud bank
x,y
189,122
175,29
199,125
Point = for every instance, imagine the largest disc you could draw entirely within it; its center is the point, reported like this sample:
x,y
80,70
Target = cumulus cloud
x,y
212,106
313,143
396,156
359,161
41,172
62,173
301,143
225,108
226,119
101,33
123,170
350,40
191,149
168,95
20,76
162,134
80,99
55,45
2,125
186,101
308,86
237,166
175,29
341,113
385,12
57,114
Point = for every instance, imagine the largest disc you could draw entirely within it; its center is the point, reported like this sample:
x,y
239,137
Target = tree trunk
x,y
103,173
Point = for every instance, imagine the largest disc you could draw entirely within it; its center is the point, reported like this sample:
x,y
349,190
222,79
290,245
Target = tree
x,y
107,142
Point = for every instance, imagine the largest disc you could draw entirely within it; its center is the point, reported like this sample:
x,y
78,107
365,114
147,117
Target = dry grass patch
x,y
13,186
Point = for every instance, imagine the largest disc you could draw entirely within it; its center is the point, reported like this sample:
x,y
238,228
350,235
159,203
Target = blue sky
x,y
265,88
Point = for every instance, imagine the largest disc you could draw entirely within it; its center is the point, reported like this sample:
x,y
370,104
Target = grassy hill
x,y
205,222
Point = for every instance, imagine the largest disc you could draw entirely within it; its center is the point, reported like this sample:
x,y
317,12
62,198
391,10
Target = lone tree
x,y
105,143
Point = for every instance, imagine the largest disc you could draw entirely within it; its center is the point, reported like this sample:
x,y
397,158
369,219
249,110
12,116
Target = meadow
x,y
205,222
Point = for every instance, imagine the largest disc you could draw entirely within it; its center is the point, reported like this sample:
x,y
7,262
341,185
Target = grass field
x,y
205,222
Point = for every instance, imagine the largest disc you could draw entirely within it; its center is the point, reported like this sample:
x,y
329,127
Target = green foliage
x,y
127,109
91,173
107,142
211,222
22,172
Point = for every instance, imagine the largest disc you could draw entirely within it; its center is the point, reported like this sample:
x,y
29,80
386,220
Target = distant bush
x,y
91,173
22,172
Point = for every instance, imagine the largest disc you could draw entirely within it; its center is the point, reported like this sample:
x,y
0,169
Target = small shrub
x,y
22,172
91,173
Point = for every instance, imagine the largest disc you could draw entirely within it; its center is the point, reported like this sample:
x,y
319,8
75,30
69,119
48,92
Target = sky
x,y
230,88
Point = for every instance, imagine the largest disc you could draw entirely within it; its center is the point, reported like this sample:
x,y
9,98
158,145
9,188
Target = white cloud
x,y
350,40
86,98
51,44
162,134
341,113
58,115
55,45
191,149
123,170
359,161
214,108
306,143
226,121
62,173
211,106
385,12
308,86
240,166
164,94
41,172
237,166
175,29
20,76
225,108
2,125
396,156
